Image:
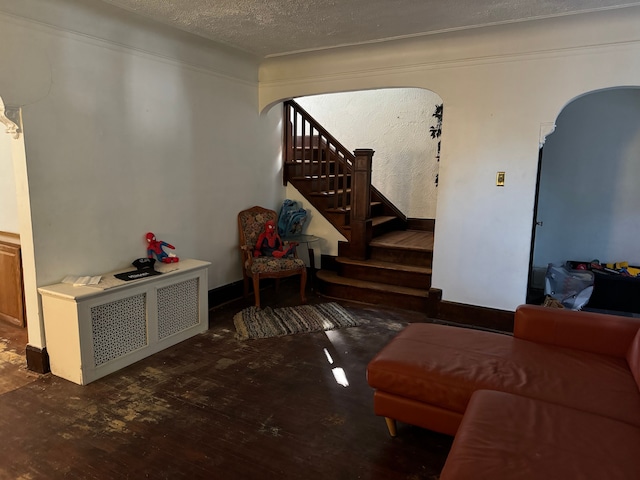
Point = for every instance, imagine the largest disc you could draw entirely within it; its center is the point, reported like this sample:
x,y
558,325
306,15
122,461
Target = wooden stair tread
x,y
328,193
348,208
318,177
306,146
382,219
384,265
300,161
418,240
332,277
337,210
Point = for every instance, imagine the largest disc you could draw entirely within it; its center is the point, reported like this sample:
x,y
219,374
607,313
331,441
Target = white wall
x,y
589,184
503,88
8,200
395,123
131,127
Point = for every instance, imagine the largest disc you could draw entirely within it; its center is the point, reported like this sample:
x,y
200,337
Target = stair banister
x,y
361,222
323,168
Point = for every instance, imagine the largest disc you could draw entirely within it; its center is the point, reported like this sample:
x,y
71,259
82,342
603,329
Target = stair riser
x,y
403,257
377,209
301,169
308,154
386,227
333,163
360,294
382,275
324,203
321,184
344,249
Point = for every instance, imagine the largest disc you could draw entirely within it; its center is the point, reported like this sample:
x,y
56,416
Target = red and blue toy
x,y
155,247
270,244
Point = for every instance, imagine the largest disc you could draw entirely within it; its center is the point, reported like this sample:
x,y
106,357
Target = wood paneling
x,y
11,291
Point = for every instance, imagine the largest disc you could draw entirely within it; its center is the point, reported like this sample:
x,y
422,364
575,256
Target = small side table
x,y
308,239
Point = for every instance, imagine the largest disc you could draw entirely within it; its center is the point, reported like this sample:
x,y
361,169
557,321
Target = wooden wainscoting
x,y
12,291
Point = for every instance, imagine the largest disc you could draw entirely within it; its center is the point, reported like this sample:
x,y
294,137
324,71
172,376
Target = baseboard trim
x,y
37,359
328,262
473,315
226,293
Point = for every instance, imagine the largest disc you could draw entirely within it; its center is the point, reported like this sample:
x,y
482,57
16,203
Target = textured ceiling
x,y
276,27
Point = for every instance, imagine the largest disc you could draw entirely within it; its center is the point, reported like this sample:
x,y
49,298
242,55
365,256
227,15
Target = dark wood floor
x,y
214,407
13,365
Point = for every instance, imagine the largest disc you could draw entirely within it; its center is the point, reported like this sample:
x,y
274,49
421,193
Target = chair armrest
x,y
588,331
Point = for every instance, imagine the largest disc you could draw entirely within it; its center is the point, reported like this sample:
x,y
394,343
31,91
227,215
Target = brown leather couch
x,y
558,399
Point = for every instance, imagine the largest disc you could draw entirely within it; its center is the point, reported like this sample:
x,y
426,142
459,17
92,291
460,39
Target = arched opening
x,y
365,166
587,190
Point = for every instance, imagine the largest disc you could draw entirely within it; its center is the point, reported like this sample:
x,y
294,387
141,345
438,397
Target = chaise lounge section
x,y
514,401
506,436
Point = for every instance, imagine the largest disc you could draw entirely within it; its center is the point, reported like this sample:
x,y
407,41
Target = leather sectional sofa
x,y
559,398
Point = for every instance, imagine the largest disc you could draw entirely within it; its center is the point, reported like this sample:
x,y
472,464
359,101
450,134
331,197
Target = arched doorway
x,y
369,197
587,190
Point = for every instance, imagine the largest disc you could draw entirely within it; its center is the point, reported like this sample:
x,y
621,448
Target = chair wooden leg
x,y
391,426
303,285
256,290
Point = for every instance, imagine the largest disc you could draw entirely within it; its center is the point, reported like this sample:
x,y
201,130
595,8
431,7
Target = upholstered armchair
x,y
251,224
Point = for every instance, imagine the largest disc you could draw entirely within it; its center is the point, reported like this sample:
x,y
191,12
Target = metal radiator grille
x,y
119,327
178,307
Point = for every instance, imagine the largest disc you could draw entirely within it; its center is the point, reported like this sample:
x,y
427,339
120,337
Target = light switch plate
x,y
500,179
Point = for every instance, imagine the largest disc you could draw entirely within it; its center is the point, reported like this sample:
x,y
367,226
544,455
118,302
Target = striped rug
x,y
267,322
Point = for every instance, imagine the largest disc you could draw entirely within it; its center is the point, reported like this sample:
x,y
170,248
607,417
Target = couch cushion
x,y
443,366
505,436
588,331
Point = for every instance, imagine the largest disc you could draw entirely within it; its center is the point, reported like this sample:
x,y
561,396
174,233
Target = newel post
x,y
361,225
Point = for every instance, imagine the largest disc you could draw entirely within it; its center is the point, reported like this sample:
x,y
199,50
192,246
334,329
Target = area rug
x,y
268,322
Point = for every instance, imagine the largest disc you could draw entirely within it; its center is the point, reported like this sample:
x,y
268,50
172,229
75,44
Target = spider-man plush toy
x,y
155,248
270,244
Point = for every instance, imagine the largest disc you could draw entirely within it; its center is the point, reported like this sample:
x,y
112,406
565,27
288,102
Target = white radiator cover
x,y
118,328
91,333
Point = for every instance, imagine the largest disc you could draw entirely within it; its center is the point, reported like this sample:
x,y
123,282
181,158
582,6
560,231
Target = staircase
x,y
383,261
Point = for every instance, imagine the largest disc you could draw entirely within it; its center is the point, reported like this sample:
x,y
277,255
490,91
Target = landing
x,y
405,239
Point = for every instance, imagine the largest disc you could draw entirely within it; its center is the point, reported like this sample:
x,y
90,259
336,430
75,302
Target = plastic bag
x,y
572,288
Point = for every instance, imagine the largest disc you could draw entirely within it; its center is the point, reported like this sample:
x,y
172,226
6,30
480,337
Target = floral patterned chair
x,y
251,225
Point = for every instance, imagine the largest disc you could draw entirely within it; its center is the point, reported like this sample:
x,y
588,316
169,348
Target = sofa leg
x,y
391,425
